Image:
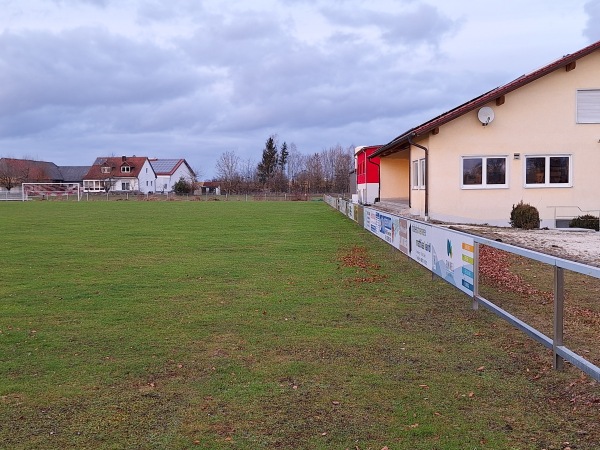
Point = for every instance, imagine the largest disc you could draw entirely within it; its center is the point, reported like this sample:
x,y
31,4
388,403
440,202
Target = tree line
x,y
283,168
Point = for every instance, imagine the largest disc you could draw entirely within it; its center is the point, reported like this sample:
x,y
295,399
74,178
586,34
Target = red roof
x,y
111,167
567,61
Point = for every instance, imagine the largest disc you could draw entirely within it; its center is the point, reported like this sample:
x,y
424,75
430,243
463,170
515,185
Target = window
x,y
105,169
125,186
588,106
484,172
418,174
125,169
548,171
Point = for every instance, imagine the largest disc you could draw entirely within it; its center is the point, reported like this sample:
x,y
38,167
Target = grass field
x,y
223,325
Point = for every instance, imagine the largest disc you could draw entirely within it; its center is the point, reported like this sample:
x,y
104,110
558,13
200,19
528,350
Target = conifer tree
x,y
283,156
268,164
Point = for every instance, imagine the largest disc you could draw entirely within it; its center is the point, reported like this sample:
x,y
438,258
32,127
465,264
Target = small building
x,y
367,174
208,187
120,174
73,174
14,172
535,139
170,171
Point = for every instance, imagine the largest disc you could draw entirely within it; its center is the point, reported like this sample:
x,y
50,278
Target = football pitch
x,y
254,325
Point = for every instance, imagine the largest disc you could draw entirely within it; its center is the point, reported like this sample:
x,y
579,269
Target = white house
x,y
120,174
170,171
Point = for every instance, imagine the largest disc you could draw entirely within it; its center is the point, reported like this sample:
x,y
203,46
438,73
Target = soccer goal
x,y
51,190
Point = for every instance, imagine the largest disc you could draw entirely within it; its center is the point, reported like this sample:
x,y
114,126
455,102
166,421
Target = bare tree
x,y
296,163
13,172
228,170
315,173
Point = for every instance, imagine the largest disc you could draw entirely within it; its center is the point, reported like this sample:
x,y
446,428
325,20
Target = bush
x,y
585,221
524,216
183,187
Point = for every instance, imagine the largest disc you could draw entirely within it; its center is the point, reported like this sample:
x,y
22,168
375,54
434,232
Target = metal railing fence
x,y
561,353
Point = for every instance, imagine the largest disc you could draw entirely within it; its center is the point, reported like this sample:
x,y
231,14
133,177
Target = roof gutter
x,y
426,174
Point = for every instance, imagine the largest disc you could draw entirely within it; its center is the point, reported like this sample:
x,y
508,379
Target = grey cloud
x,y
100,3
592,30
275,80
84,68
422,24
159,11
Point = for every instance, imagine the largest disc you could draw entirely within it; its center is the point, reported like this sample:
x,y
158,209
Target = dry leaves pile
x,y
358,259
494,268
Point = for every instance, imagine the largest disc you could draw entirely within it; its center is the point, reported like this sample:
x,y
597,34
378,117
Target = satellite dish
x,y
485,115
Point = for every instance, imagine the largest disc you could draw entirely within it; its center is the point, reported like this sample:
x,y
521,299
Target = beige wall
x,y
536,119
395,176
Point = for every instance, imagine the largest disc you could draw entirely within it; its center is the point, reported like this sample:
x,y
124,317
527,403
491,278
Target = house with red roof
x,y
170,171
535,139
120,174
14,172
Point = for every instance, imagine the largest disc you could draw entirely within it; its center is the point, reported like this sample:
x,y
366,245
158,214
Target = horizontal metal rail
x,y
561,353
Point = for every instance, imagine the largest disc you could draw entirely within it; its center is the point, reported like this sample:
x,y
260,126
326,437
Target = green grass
x,y
220,325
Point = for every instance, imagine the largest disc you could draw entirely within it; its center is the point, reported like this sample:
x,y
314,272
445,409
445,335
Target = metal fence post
x,y
559,309
475,304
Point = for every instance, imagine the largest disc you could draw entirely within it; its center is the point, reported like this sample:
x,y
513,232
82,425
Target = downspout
x,y
378,199
426,150
364,152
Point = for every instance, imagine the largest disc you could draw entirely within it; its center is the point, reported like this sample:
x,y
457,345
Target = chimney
x,y
123,158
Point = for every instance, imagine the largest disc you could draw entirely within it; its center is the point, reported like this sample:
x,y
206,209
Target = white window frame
x,y
587,106
418,174
484,184
547,183
105,169
125,186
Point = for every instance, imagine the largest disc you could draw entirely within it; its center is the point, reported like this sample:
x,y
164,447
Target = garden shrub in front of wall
x,y
524,215
585,221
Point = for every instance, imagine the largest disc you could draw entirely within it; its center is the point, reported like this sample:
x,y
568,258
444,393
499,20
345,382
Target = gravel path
x,y
573,244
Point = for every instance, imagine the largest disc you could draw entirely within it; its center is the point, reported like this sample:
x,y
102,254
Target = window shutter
x,y
588,106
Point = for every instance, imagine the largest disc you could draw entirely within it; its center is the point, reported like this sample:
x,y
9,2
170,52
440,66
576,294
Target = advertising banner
x,y
452,258
351,209
389,228
420,243
385,226
403,235
370,217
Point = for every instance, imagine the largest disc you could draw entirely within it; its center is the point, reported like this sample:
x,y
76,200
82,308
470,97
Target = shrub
x,y
585,221
525,216
183,187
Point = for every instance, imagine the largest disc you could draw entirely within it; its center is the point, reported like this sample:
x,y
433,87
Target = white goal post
x,y
50,190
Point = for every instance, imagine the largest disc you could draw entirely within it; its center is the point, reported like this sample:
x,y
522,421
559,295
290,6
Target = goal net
x,y
51,190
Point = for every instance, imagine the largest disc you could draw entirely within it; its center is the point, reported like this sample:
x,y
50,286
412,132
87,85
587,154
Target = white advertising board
x,y
370,219
452,258
420,243
351,211
385,226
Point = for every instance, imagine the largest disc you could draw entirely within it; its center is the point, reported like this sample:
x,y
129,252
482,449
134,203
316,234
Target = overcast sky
x,y
194,78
